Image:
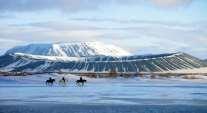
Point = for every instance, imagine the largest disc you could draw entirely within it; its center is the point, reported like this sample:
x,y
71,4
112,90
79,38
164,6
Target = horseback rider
x,y
64,80
50,81
81,79
50,78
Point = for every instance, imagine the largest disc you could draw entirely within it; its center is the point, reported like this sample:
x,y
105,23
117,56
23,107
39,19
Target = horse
x,y
63,82
81,81
49,82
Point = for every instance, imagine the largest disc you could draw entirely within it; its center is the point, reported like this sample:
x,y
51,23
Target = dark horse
x,y
49,82
81,81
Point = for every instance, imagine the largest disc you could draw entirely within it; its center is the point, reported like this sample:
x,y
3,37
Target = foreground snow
x,y
29,94
106,91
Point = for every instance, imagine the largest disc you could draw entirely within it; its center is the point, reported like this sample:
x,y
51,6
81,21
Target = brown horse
x,y
63,82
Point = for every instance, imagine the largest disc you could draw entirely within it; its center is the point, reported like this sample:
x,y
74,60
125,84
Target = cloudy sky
x,y
139,26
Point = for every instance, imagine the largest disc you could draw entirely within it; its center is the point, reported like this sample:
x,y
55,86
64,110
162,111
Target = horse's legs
x,y
64,83
51,83
78,83
46,83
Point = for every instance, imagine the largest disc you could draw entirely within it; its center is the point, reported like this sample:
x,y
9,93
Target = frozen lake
x,y
112,92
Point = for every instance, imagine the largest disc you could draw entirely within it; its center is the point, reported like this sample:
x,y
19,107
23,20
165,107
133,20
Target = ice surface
x,y
103,91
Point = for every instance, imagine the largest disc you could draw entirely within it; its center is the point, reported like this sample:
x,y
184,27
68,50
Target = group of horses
x,y
63,82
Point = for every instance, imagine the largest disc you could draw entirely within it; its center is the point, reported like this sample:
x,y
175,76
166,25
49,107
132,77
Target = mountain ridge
x,y
155,63
73,49
91,57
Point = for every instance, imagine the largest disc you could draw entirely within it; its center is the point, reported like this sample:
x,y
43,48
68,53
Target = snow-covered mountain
x,y
75,49
91,57
148,63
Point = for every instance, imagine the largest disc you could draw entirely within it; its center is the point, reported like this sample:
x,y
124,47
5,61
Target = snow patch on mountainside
x,y
49,58
75,49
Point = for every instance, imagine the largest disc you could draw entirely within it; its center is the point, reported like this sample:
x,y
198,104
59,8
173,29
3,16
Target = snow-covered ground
x,y
29,94
121,91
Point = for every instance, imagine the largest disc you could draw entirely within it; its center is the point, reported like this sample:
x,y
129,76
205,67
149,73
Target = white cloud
x,y
135,36
171,3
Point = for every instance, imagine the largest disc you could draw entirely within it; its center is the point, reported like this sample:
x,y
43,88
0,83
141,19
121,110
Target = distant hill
x,y
144,63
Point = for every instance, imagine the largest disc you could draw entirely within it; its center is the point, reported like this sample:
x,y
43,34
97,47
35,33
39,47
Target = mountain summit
x,y
73,49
